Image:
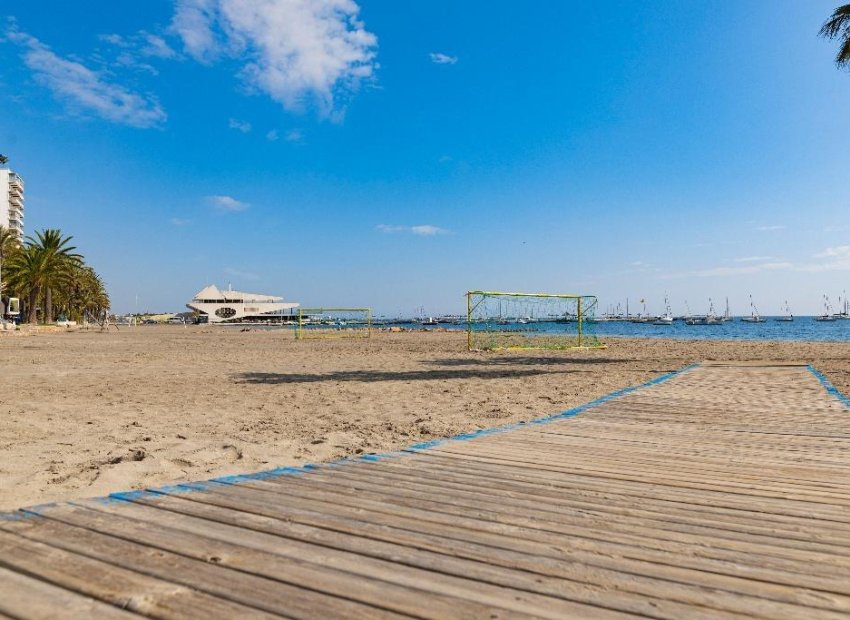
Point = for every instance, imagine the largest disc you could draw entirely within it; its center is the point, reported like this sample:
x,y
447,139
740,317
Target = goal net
x,y
333,323
530,321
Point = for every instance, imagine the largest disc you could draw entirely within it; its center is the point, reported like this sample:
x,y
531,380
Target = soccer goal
x,y
497,320
333,323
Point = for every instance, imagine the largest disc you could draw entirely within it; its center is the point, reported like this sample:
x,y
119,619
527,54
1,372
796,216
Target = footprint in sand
x,y
232,452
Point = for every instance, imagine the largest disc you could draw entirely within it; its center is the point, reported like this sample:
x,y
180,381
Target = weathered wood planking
x,y
721,492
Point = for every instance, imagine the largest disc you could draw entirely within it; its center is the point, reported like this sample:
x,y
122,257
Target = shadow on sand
x,y
367,376
525,360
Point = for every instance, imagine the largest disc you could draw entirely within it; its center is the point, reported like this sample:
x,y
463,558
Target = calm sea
x,y
801,328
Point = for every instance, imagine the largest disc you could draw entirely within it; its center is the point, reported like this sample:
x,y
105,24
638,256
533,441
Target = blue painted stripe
x,y
195,487
830,389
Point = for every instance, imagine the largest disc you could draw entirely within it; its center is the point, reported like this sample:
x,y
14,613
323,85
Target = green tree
x,y
8,241
82,292
57,258
26,277
838,27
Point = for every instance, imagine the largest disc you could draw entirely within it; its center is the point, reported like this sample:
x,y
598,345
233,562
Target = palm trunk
x,y
32,307
48,305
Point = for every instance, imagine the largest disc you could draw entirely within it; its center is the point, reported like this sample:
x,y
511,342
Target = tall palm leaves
x,y
26,278
47,266
57,259
8,241
838,27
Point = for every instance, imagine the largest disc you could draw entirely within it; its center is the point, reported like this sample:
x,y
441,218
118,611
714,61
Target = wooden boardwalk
x,y
719,492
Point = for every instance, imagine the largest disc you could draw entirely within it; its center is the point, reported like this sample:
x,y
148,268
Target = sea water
x,y
804,328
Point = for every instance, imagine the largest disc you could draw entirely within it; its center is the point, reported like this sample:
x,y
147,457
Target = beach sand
x,y
86,413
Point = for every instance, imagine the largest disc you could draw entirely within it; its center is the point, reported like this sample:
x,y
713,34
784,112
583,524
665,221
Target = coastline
x,y
100,412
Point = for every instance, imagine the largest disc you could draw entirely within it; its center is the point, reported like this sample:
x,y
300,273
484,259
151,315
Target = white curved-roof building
x,y
231,306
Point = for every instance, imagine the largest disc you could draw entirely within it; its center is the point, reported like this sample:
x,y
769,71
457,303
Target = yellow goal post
x,y
497,320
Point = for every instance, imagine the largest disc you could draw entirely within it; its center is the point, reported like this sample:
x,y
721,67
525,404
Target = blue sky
x,y
396,154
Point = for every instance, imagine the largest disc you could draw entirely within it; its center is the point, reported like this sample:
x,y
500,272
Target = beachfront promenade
x,y
721,491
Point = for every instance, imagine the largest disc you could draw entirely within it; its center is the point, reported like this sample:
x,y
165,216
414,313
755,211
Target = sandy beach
x,y
88,413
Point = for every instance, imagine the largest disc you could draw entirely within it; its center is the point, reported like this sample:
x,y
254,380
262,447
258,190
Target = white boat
x,y
667,317
754,317
709,319
727,315
215,306
845,308
787,316
827,316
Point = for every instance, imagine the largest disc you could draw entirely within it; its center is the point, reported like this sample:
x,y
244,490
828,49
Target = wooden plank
x,y
394,587
22,596
117,586
207,576
495,550
433,553
743,584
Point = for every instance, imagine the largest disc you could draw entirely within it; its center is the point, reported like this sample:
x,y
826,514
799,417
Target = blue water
x,y
801,328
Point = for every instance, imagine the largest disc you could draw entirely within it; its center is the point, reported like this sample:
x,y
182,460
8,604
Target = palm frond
x,y
838,22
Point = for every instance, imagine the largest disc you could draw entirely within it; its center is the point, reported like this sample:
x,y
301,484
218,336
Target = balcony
x,y
16,201
15,190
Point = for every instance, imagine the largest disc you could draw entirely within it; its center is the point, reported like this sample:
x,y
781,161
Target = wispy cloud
x,y
227,204
272,135
442,59
245,275
714,272
142,43
179,221
839,251
835,258
296,51
243,126
770,228
83,90
422,230
294,135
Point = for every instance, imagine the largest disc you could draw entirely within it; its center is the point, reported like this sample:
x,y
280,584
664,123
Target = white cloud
x,y
294,135
422,230
85,90
714,272
442,59
243,126
770,228
754,259
296,51
227,203
179,221
839,251
272,135
143,43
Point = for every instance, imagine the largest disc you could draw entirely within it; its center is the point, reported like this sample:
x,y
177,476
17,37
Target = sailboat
x,y
787,316
727,316
845,308
667,317
827,315
708,319
754,317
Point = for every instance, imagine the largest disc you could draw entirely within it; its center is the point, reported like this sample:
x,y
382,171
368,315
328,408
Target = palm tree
x,y
82,292
838,27
57,257
8,241
26,277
